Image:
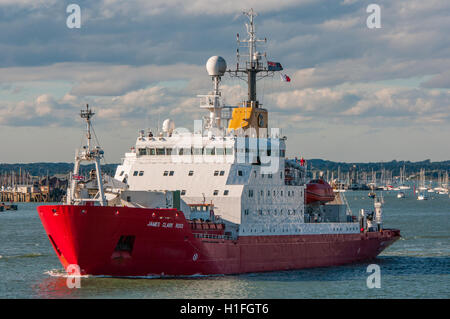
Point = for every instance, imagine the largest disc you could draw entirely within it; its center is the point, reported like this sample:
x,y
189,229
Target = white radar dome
x,y
216,65
168,126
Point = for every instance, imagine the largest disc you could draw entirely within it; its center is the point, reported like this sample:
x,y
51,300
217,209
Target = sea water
x,y
416,266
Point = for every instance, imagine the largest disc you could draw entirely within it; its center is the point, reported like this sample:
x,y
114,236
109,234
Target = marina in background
x,y
19,184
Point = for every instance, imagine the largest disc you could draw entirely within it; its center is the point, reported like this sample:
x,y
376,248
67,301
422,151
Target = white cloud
x,y
336,24
110,8
28,3
137,60
101,79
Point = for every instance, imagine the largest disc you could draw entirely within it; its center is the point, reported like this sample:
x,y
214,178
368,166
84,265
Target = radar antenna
x,y
254,68
87,114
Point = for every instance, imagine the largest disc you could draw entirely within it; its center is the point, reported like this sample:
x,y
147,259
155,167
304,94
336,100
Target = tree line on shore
x,y
50,169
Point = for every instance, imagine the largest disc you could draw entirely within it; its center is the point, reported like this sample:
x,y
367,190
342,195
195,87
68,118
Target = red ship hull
x,y
164,244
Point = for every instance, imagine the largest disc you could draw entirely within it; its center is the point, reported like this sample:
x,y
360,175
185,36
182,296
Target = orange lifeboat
x,y
317,190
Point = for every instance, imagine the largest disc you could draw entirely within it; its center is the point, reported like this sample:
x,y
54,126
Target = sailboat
x,y
402,179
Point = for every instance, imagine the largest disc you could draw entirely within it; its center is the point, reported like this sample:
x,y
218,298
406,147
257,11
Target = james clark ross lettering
x,y
228,308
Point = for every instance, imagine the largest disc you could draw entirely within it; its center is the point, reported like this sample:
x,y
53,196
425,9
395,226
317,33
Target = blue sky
x,y
357,94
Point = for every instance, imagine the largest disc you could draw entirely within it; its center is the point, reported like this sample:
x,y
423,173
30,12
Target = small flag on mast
x,y
285,77
274,66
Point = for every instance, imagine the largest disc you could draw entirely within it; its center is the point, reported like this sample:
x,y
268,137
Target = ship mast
x,y
254,65
251,119
87,114
87,154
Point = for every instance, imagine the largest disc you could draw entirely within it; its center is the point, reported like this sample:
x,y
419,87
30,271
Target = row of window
x,y
269,212
191,173
217,173
275,193
186,151
136,173
284,230
200,151
225,192
298,230
215,193
240,151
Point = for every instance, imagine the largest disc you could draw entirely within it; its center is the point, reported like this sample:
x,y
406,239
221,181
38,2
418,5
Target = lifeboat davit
x,y
317,190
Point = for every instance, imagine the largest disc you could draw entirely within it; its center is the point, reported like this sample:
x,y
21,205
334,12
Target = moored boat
x,y
318,190
401,195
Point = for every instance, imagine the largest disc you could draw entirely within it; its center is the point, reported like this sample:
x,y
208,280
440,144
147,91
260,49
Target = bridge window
x,y
166,173
168,151
141,173
160,151
225,192
142,151
209,151
198,151
222,173
229,151
171,173
135,173
216,173
220,151
183,192
191,173
216,192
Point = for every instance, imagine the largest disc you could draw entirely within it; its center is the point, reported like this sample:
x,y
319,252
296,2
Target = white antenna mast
x,y
253,66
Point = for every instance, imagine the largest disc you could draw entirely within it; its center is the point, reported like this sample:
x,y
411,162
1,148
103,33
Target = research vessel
x,y
221,199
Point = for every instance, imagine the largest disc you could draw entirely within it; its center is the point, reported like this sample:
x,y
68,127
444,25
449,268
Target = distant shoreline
x,y
52,168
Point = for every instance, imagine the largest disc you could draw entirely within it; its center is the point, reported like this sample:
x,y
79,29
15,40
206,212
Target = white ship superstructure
x,y
237,163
